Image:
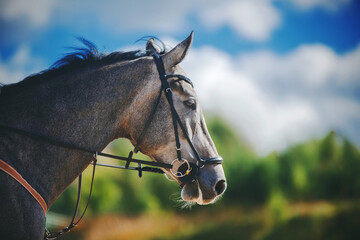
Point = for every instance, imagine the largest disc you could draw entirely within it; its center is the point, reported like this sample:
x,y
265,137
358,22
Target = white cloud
x,y
35,12
20,65
347,70
7,76
309,66
255,19
276,100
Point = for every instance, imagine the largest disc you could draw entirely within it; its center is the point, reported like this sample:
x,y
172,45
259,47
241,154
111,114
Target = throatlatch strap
x,y
17,176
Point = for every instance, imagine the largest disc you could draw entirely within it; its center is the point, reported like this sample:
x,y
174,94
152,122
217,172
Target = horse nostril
x,y
220,187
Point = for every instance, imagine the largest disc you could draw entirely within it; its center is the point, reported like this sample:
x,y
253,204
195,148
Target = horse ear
x,y
178,53
151,46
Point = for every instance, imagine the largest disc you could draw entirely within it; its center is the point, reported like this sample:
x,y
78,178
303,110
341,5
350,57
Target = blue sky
x,y
283,71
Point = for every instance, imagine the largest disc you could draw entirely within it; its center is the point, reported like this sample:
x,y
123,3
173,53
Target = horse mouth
x,y
192,193
206,187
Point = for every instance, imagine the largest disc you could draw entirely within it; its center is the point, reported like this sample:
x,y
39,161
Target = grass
x,y
316,220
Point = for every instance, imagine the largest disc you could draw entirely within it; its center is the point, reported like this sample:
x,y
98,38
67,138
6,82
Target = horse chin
x,y
192,194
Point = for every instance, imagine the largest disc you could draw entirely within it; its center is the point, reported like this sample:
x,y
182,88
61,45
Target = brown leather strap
x,y
13,173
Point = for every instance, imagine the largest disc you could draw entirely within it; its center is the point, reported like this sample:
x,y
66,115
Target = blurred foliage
x,y
318,170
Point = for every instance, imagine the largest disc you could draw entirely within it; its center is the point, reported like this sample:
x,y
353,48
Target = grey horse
x,y
89,99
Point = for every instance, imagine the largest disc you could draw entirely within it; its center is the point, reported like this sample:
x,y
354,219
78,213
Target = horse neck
x,y
85,109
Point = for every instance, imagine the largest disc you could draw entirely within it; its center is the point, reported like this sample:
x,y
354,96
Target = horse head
x,y
208,181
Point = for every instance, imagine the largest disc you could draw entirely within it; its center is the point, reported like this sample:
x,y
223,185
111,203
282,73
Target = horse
x,y
88,99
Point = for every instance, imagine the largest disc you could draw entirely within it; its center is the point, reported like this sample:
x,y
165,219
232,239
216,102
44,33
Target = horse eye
x,y
190,103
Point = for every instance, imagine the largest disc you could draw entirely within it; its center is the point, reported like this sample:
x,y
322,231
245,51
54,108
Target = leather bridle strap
x,y
53,235
17,176
175,115
165,86
75,147
177,122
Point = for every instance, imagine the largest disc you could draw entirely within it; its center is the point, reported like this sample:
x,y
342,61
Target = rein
x,y
181,168
62,144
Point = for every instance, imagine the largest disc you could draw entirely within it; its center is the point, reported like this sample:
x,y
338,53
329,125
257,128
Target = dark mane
x,y
87,56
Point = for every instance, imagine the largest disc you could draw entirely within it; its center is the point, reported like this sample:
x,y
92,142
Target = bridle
x,y
181,168
186,171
